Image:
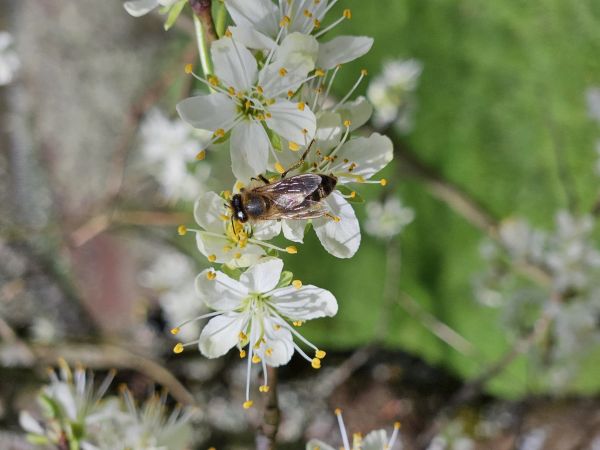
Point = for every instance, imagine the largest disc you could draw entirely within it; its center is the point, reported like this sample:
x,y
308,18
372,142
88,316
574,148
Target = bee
x,y
296,197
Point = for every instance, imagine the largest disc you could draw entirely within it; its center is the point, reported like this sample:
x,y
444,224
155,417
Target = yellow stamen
x,y
293,146
213,80
319,72
269,351
178,348
317,23
256,359
397,425
279,168
238,186
228,33
223,217
297,284
226,195
347,14
292,250
383,182
352,194
181,230
347,123
212,258
364,72
211,275
316,363
201,155
260,90
247,404
219,132
263,388
320,354
301,106
338,411
188,68
285,21
231,91
242,354
283,72
238,255
290,94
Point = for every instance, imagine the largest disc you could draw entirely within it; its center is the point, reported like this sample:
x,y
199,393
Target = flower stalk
x,y
204,28
267,431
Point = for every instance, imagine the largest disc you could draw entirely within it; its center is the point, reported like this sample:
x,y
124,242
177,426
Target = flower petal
x,y
224,251
370,154
341,50
138,8
263,276
308,302
208,112
234,64
358,112
221,293
29,424
266,229
342,238
294,229
280,342
252,38
329,130
290,121
208,210
375,440
249,150
221,334
315,444
261,15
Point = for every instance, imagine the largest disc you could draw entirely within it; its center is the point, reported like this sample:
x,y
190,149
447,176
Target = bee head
x,y
238,211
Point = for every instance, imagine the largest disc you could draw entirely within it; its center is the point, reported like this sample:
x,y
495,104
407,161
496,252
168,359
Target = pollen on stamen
x,y
220,132
383,182
260,90
319,72
320,354
224,218
290,94
316,363
175,330
283,72
347,123
301,106
353,194
337,412
243,336
212,258
178,348
247,404
292,250
238,186
237,255
364,72
226,195
256,359
285,21
188,68
347,14
242,354
263,388
397,425
201,155
213,80
297,284
228,33
211,275
181,230
317,23
293,146
307,13
231,90
279,168
269,351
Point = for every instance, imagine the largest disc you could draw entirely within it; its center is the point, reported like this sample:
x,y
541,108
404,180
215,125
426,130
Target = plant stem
x,y
267,431
205,31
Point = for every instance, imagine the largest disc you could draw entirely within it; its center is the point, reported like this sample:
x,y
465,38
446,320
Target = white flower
x,y
258,26
252,314
246,100
9,61
391,93
387,219
138,8
592,96
375,440
168,146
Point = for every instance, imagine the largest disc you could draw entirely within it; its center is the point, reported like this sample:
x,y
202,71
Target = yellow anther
x,y
298,323
231,91
269,351
283,72
338,411
317,23
270,101
256,359
181,230
223,217
304,131
212,258
347,14
188,68
201,155
227,248
213,80
228,33
290,94
307,13
238,255
263,388
285,21
178,348
292,250
364,72
238,186
260,90
242,354
293,146
211,275
320,354
383,182
268,115
248,104
175,330
297,284
301,106
316,363
353,194
226,195
279,168
397,425
220,132
247,404
319,72
277,327
347,123
360,178
243,336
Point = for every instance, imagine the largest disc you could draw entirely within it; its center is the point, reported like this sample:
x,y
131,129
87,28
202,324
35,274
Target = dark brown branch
x,y
203,11
267,430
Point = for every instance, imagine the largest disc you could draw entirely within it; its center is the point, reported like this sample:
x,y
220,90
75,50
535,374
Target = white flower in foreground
x,y
227,241
375,440
9,61
258,26
168,146
247,100
387,219
592,97
139,8
253,315
392,93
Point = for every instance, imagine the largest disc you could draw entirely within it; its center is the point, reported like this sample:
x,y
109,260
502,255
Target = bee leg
x,y
300,161
263,179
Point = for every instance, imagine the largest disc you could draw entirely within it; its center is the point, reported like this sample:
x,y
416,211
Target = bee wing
x,y
308,209
291,191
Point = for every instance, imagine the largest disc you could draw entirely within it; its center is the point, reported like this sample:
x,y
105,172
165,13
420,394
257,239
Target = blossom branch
x,y
204,28
267,431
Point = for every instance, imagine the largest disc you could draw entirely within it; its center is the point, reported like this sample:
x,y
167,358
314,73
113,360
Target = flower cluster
x,y
570,258
268,98
74,415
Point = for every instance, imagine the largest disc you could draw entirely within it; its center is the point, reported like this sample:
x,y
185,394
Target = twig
x,y
204,28
267,430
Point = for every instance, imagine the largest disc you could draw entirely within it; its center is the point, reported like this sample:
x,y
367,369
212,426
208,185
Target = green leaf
x,y
49,407
174,12
231,272
37,439
285,278
347,192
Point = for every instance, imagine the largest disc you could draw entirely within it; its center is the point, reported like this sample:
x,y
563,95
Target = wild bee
x,y
296,197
